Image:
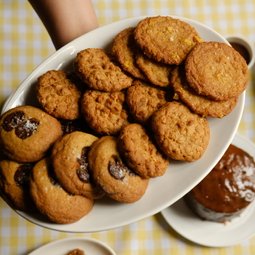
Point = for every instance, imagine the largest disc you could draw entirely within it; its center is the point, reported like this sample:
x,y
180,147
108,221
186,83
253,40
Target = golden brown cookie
x,y
143,100
157,73
14,182
97,70
70,163
52,200
165,39
140,153
199,104
57,95
124,49
180,134
26,133
216,70
115,178
104,111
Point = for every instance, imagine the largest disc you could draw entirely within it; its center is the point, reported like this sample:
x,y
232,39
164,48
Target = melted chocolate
x,y
24,127
230,186
117,169
22,174
82,171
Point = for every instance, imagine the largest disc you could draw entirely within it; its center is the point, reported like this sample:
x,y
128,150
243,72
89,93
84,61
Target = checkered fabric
x,y
25,44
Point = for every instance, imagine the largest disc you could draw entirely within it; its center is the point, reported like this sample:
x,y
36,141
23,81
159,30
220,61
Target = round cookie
x,y
52,200
97,70
165,39
14,182
125,50
57,95
70,163
143,100
104,112
157,73
199,104
114,177
180,134
216,70
26,133
139,152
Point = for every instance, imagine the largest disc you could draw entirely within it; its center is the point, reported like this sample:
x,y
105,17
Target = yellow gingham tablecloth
x,y
25,44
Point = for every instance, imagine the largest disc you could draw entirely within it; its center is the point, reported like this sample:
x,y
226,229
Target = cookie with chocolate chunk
x,y
165,39
52,200
140,153
58,95
216,70
117,180
97,70
70,163
180,134
14,183
26,133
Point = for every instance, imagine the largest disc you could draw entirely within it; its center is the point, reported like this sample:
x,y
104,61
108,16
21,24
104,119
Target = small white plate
x,y
63,246
162,191
208,233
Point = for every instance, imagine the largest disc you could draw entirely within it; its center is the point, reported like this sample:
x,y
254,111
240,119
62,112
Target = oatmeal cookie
x,y
115,178
140,153
157,73
26,133
104,111
124,49
52,200
216,70
165,39
98,71
180,134
70,163
199,104
143,100
57,95
14,182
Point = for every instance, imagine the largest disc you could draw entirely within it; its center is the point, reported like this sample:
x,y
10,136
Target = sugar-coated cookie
x,y
115,178
26,133
52,200
70,163
14,183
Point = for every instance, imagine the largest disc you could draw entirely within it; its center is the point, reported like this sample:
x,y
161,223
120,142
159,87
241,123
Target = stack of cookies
x,y
117,119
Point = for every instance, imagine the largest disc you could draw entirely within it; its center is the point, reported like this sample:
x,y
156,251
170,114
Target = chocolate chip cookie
x,y
117,180
70,162
52,200
26,133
